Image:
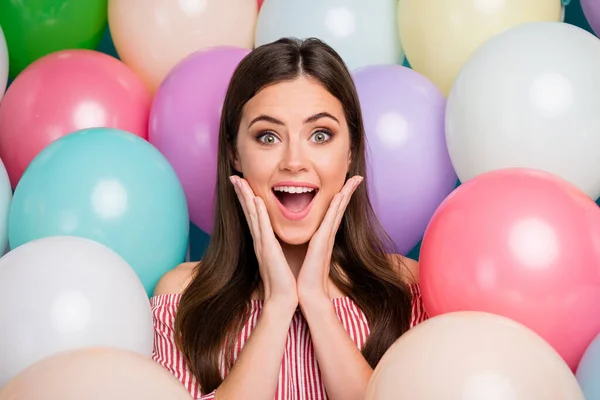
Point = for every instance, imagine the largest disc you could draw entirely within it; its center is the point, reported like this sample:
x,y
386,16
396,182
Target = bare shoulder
x,y
407,268
176,280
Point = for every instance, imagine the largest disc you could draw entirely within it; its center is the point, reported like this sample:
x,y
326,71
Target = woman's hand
x,y
278,280
314,274
344,370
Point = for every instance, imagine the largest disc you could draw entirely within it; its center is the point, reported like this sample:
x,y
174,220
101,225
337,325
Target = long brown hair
x,y
216,304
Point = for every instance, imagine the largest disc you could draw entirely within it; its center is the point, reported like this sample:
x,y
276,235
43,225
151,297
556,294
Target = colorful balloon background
x,y
96,373
152,36
404,121
184,123
110,186
66,91
519,243
362,32
108,132
472,355
34,29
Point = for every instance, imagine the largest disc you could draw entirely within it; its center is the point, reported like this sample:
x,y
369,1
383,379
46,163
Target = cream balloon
x,y
439,35
152,36
519,102
471,356
95,373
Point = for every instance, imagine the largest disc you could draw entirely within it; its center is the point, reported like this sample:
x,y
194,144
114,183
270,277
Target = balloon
x,y
95,373
184,123
540,112
34,29
5,201
439,36
469,356
152,36
591,10
362,32
589,370
3,64
64,92
410,170
520,243
60,293
110,186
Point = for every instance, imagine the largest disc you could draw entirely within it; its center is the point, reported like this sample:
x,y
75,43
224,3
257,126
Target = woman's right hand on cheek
x,y
278,281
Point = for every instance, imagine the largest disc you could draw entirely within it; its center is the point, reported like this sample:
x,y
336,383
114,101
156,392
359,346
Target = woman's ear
x,y
237,166
235,160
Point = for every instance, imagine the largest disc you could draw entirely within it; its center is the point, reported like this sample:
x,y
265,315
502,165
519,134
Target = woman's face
x,y
293,148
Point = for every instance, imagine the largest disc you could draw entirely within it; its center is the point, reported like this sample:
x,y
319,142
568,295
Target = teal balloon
x,y
588,371
110,186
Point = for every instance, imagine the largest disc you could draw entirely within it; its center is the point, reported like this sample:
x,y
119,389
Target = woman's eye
x,y
321,136
268,138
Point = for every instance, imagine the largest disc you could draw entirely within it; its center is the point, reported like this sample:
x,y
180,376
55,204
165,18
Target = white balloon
x,y
3,63
5,201
529,97
362,32
62,293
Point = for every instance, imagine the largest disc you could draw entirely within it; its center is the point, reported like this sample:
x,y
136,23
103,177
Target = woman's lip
x,y
295,184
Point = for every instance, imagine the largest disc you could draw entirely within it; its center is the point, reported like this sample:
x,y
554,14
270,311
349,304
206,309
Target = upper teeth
x,y
293,189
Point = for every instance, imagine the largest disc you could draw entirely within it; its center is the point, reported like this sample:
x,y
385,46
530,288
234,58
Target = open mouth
x,y
295,201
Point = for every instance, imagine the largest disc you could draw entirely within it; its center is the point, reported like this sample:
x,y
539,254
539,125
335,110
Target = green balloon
x,y
34,28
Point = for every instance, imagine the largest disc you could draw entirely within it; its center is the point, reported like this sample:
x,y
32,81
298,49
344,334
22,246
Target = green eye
x,y
268,138
321,136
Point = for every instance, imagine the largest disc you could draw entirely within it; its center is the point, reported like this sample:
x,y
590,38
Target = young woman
x,y
296,297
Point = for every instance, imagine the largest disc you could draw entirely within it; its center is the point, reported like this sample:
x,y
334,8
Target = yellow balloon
x,y
152,36
438,36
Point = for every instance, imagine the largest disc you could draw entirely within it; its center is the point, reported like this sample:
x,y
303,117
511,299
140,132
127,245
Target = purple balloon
x,y
409,167
184,123
591,10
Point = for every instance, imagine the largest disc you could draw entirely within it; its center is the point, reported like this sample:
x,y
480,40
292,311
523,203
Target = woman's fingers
x,y
348,190
246,198
234,182
266,230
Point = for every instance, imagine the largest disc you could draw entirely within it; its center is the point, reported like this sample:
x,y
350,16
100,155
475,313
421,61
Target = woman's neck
x,y
294,254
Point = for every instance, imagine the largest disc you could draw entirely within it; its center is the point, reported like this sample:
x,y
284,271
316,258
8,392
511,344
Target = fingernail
x,y
231,179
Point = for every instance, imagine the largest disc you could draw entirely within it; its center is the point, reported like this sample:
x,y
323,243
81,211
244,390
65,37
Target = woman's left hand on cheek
x,y
313,277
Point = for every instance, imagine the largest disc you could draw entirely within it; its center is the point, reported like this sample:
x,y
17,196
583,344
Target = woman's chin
x,y
294,235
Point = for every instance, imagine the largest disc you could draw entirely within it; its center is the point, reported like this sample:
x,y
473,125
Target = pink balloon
x,y
519,243
184,123
63,92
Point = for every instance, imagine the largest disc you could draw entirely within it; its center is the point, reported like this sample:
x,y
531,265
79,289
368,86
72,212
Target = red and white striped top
x,y
299,376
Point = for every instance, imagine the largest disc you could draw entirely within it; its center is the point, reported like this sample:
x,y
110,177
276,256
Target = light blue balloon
x,y
362,32
588,371
110,186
